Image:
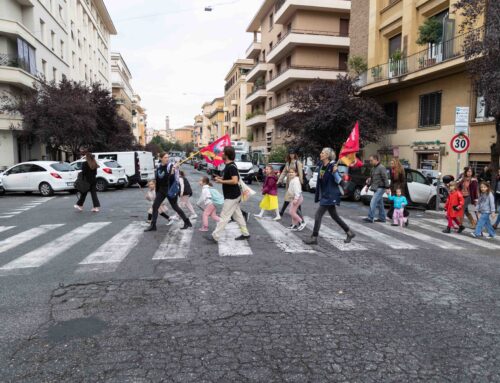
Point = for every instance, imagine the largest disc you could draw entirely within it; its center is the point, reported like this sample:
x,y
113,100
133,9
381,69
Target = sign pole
x,y
458,165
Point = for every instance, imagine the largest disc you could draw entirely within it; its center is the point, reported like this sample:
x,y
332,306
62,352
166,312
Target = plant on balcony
x,y
396,63
357,64
257,112
376,72
259,83
430,32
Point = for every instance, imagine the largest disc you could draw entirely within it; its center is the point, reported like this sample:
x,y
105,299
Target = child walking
x,y
486,209
399,203
206,202
150,196
270,191
454,208
186,193
295,192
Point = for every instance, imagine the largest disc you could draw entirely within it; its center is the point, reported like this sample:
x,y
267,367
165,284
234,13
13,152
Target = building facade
x,y
55,39
184,135
421,85
213,120
139,120
294,43
235,107
121,87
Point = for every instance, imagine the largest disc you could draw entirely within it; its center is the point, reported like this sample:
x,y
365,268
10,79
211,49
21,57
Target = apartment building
x,y
139,120
53,38
420,86
213,120
121,87
294,43
235,93
184,135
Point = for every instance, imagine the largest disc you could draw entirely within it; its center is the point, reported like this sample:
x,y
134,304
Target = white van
x,y
139,166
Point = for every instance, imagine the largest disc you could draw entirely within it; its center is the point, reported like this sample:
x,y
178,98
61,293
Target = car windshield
x,y
112,164
62,167
242,157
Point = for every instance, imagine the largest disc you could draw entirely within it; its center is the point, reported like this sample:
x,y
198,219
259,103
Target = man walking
x,y
379,184
232,197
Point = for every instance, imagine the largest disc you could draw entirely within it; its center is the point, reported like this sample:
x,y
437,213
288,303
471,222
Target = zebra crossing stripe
x,y
286,240
176,244
114,251
26,236
334,238
424,237
44,254
378,236
229,247
6,216
5,228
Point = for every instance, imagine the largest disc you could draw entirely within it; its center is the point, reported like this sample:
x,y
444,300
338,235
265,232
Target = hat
x,y
292,151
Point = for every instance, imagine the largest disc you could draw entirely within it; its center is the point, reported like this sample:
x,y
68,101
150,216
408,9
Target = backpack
x,y
217,198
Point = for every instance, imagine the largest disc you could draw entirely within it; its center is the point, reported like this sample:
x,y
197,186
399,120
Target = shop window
x,y
428,161
391,110
430,110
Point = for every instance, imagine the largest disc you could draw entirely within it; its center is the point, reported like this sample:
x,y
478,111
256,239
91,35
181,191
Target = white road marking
x,y
6,216
228,247
5,228
176,244
378,236
44,254
334,238
114,251
26,236
424,237
283,238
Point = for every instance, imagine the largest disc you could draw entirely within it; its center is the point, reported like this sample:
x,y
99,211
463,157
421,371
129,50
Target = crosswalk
x,y
26,251
10,213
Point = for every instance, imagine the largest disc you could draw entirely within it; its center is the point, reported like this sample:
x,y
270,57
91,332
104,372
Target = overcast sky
x,y
178,53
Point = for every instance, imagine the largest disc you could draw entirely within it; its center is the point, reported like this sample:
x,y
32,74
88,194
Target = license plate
x,y
120,182
70,183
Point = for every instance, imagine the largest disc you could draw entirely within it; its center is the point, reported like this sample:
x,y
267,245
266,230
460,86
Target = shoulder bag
x,y
81,184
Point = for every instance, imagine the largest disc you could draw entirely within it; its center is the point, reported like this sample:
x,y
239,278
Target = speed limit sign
x,y
460,143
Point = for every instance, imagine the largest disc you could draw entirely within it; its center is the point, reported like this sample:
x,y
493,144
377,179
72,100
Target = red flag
x,y
351,147
213,152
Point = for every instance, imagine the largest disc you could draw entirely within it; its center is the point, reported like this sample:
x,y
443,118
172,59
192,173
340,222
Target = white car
x,y
313,182
109,174
45,177
421,191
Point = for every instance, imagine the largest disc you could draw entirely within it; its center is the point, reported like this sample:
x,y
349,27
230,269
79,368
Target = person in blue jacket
x,y
328,195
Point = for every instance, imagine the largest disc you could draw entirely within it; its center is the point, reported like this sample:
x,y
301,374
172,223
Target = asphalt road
x,y
91,298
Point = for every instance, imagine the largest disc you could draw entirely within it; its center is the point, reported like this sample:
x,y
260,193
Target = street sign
x,y
462,119
460,143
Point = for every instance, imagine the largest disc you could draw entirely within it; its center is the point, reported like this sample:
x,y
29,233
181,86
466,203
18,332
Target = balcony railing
x,y
325,68
434,55
280,3
252,43
308,32
14,61
256,89
275,105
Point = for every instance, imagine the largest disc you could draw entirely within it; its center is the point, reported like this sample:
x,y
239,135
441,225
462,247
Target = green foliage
x,y
167,146
397,55
250,135
357,64
278,154
257,112
430,32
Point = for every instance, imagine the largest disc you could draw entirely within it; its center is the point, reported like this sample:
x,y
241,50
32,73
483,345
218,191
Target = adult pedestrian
x,y
166,174
398,177
292,162
496,188
89,173
328,195
232,197
469,187
485,175
379,184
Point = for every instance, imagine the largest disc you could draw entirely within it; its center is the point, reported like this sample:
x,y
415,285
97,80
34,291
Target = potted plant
x,y
396,63
377,72
357,64
430,33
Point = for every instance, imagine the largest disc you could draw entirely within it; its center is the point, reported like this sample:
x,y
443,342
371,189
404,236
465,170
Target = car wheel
x,y
366,201
356,195
74,191
45,189
101,185
432,204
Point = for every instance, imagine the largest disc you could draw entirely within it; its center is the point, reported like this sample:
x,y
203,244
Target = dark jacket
x,y
163,176
473,189
88,174
270,185
379,179
187,187
327,189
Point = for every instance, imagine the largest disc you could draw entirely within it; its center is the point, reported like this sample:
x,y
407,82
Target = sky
x,y
179,54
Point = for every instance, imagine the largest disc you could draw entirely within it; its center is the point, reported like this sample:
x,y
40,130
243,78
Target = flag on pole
x,y
213,152
351,147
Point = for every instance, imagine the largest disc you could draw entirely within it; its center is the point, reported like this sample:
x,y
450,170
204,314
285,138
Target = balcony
x,y
259,69
441,57
278,110
301,37
235,119
256,119
226,124
234,102
258,94
15,71
253,51
285,9
297,73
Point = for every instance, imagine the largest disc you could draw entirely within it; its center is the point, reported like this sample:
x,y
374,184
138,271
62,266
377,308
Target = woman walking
x,y
89,173
292,162
469,188
398,177
328,195
166,174
270,191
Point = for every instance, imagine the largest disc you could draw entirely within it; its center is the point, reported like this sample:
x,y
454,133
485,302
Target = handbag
x,y
81,184
246,192
174,190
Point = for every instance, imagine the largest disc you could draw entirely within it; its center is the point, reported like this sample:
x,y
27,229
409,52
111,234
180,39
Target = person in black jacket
x,y
89,173
166,174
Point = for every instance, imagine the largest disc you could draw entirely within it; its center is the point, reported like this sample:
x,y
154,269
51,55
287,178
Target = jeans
x,y
484,222
93,193
333,213
497,222
377,202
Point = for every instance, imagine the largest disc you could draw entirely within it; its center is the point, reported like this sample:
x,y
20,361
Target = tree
x,y
324,114
482,53
278,154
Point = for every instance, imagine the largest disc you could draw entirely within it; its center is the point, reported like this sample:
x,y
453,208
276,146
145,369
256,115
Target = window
x,y
482,111
36,169
430,110
271,21
52,40
391,110
42,31
343,57
62,167
26,56
62,49
394,45
54,74
44,68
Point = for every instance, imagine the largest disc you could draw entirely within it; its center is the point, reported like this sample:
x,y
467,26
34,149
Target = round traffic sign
x,y
460,143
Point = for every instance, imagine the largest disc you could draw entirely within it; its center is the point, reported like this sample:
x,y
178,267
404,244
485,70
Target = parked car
x,y
2,191
139,166
308,175
203,165
313,181
45,177
109,174
420,191
354,180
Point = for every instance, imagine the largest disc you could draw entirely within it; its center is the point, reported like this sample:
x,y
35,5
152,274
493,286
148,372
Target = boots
x,y
447,230
187,225
471,219
149,218
164,215
312,241
151,228
461,228
350,236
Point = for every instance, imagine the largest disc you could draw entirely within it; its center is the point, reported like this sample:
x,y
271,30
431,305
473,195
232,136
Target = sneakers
x,y
242,238
95,210
291,227
475,235
394,224
277,218
193,216
311,241
79,208
258,216
368,220
170,221
380,220
203,229
302,226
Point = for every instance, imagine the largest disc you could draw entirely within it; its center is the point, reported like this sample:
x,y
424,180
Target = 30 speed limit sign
x,y
460,143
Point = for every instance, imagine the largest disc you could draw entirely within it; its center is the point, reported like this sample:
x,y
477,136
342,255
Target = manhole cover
x,y
75,328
